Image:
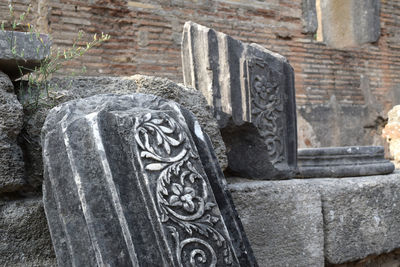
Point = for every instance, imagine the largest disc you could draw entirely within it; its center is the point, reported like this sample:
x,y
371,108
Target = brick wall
x,y
146,39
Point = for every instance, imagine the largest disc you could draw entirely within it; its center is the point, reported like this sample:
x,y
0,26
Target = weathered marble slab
x,y
132,180
253,95
30,48
343,161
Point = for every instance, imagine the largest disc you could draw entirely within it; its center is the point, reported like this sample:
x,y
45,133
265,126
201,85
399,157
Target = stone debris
x,y
132,180
253,95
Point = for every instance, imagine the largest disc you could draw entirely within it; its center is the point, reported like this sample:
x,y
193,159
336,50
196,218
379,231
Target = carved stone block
x,y
132,180
252,92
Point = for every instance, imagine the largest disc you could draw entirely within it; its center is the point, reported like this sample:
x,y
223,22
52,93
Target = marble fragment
x,y
253,95
132,180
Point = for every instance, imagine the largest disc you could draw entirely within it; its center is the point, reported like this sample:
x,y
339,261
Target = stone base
x,y
309,222
342,162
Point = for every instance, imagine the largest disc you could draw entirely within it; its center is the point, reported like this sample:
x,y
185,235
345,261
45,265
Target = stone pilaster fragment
x,y
132,181
252,92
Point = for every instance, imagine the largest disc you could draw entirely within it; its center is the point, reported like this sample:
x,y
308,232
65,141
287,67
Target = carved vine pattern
x,y
267,108
181,191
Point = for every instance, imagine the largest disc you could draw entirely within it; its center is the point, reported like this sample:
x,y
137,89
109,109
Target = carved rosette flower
x,y
183,197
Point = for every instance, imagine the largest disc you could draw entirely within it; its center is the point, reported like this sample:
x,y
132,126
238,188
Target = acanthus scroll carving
x,y
267,107
182,194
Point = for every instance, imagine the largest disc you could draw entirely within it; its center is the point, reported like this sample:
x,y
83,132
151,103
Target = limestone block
x,y
31,50
252,92
132,181
309,16
361,216
80,87
11,119
282,220
347,23
24,236
312,221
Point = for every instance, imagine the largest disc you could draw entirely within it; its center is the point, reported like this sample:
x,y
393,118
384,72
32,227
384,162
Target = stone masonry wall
x,y
146,38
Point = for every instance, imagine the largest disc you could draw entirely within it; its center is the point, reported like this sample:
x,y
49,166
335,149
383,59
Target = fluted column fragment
x,y
133,181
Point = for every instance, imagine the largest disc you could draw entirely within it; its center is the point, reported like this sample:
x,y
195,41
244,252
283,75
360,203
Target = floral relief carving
x,y
185,205
267,107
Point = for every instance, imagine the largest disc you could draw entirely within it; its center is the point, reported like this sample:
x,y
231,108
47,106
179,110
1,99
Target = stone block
x,y
132,181
30,49
309,16
282,220
253,95
361,216
24,236
312,221
79,87
349,23
11,119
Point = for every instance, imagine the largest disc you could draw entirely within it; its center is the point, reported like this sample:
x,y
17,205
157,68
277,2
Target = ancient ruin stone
x,y
392,134
24,235
347,23
132,181
282,219
307,220
11,161
342,162
30,50
79,87
252,92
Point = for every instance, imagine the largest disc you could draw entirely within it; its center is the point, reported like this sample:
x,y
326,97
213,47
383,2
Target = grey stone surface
x,y
132,181
349,23
79,87
252,92
282,220
367,21
342,162
361,216
300,222
31,50
11,119
24,236
341,124
309,16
